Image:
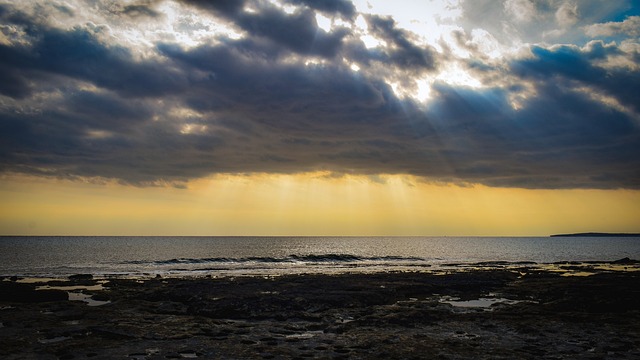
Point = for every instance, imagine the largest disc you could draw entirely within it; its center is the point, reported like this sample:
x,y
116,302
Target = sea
x,y
61,256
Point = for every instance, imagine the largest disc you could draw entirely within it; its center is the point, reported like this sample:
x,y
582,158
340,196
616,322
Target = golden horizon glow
x,y
309,204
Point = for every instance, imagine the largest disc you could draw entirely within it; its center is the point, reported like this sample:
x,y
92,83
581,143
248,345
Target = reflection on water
x,y
54,339
76,293
78,296
478,303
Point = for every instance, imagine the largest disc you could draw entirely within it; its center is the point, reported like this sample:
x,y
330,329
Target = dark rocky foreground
x,y
358,316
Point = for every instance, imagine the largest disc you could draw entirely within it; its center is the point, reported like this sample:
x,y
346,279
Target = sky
x,y
319,117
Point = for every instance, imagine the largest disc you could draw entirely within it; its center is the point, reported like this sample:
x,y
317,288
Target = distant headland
x,y
597,234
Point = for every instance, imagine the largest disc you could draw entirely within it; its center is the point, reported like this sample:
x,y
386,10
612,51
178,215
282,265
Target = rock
x,y
26,293
625,261
112,333
81,277
50,295
101,297
369,316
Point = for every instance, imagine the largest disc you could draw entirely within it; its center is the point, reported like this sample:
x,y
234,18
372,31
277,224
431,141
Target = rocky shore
x,y
486,312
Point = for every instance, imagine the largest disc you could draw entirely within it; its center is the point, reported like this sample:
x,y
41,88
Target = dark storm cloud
x,y
561,139
74,104
342,7
78,53
227,7
571,63
104,111
404,53
297,32
252,81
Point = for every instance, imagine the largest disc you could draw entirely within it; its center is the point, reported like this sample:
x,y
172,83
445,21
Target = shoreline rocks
x,y
27,293
537,315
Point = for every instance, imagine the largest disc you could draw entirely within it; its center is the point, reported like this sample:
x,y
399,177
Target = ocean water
x,y
221,256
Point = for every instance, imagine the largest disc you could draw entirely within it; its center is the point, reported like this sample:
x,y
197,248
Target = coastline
x,y
220,256
486,311
598,234
566,268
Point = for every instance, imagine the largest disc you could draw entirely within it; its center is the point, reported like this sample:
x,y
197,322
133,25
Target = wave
x,y
325,258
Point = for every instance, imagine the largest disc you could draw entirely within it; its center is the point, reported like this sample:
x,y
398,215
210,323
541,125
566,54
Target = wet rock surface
x,y
352,316
25,293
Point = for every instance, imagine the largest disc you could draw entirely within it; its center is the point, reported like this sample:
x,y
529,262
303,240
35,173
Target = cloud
x,y
630,27
297,32
514,22
521,10
78,53
80,100
404,53
342,7
543,144
573,63
140,10
567,14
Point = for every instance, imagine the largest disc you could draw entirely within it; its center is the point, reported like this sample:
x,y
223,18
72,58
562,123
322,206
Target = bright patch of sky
x,y
429,20
323,22
453,74
434,24
362,30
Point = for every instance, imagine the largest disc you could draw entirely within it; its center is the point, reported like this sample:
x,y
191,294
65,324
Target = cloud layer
x,y
164,92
